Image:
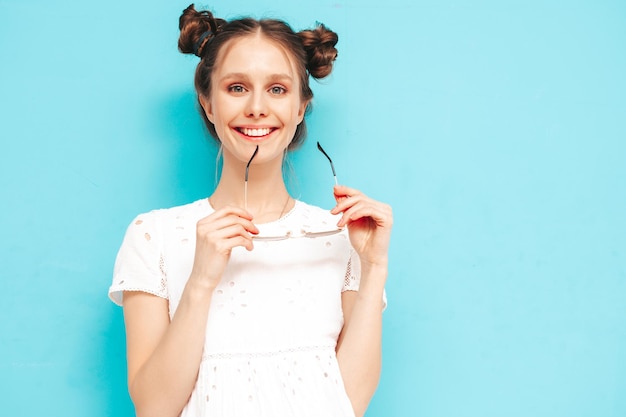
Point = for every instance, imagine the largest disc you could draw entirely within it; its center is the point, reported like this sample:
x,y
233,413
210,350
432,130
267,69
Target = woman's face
x,y
255,99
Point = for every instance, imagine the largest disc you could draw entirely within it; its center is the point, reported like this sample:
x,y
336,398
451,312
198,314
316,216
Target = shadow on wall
x,y
181,156
185,154
109,363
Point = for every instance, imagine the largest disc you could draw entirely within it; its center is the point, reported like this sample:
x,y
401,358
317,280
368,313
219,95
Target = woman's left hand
x,y
369,224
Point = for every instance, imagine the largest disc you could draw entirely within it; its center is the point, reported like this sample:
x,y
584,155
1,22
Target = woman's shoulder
x,y
184,212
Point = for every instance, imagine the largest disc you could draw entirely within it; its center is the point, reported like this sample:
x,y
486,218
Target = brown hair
x,y
313,51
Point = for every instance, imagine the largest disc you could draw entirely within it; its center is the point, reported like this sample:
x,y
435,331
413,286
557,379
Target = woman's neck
x,y
265,197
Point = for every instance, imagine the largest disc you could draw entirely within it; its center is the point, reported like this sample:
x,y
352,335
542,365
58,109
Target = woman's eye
x,y
236,89
278,90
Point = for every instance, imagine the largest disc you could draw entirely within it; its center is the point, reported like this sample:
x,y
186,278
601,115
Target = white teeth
x,y
255,132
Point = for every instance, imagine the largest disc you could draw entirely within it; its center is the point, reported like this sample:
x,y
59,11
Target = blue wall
x,y
496,129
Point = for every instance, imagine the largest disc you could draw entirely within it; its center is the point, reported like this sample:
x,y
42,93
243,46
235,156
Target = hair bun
x,y
319,44
196,29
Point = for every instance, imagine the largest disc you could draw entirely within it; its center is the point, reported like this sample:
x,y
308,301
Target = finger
x,y
375,212
228,232
244,241
235,236
341,192
209,224
344,203
225,245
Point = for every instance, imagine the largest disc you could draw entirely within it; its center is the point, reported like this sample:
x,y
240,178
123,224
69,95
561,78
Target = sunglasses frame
x,y
290,234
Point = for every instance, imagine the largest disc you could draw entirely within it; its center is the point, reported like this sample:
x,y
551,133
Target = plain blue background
x,y
496,129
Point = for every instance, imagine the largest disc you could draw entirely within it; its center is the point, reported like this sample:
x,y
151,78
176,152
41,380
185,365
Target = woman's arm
x,y
163,356
359,350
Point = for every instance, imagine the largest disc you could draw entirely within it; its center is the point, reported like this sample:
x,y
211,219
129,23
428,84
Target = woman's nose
x,y
257,105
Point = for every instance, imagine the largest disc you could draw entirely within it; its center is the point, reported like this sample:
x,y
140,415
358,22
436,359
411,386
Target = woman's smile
x,y
255,133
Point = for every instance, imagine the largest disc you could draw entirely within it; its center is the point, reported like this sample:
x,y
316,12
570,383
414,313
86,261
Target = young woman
x,y
250,303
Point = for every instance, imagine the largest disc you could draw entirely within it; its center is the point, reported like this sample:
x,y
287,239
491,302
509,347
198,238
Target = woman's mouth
x,y
255,132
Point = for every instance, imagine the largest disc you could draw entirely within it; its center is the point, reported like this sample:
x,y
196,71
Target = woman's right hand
x,y
216,236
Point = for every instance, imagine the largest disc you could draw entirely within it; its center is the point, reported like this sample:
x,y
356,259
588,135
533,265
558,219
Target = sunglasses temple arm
x,y
245,183
245,195
332,166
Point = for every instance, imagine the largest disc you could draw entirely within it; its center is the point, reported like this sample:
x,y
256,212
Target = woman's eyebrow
x,y
234,75
244,76
280,77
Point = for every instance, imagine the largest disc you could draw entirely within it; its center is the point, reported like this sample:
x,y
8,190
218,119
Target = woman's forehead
x,y
255,53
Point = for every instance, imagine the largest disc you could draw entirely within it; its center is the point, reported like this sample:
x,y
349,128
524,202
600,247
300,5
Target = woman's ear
x,y
205,102
302,110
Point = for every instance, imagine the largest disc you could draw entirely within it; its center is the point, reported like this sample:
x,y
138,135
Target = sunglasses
x,y
291,234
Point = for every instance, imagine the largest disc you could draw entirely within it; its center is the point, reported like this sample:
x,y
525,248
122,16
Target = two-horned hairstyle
x,y
312,51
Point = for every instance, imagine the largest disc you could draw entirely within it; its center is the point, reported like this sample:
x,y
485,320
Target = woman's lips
x,y
255,133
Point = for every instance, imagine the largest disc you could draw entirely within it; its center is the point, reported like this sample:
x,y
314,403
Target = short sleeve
x,y
353,275
139,264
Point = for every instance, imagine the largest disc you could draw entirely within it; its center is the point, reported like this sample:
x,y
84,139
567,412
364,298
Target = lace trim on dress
x,y
119,292
352,278
251,355
163,282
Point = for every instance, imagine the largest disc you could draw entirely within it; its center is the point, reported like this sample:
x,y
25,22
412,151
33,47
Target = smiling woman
x,y
309,52
225,313
255,99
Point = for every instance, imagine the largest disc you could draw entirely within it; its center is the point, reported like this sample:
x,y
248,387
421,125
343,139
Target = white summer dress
x,y
274,318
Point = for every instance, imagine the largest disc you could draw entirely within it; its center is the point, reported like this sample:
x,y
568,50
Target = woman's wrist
x,y
199,288
377,269
373,279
